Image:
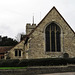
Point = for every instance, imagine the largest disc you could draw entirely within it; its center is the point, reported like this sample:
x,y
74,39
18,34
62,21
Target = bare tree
x,y
18,37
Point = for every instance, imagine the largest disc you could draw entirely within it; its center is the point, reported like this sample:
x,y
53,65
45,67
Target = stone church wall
x,y
36,45
37,42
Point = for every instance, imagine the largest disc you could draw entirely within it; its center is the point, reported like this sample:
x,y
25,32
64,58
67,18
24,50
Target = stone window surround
x,y
52,42
62,38
18,52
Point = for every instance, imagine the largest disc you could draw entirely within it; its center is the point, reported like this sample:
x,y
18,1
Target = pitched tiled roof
x,y
4,49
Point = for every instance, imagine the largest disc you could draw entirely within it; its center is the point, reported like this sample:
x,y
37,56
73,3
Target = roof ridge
x,y
45,17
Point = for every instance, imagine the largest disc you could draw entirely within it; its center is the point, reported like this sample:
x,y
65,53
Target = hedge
x,y
9,62
46,62
36,62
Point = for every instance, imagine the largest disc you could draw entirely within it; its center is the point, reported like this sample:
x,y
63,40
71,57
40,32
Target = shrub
x,y
66,55
36,62
9,63
42,62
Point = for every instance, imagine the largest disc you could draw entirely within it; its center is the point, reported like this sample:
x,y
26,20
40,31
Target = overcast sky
x,y
14,14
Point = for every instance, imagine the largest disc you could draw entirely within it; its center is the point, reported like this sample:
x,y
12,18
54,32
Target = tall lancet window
x,y
53,39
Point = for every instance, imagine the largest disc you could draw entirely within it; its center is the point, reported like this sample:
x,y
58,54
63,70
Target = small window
x,y
2,57
18,52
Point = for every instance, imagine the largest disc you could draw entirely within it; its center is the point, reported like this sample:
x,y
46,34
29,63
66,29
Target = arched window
x,y
52,35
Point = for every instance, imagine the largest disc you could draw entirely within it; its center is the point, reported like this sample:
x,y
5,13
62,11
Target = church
x,y
51,38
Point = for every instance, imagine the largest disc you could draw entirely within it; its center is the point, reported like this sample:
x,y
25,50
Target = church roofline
x,y
40,23
18,43
46,16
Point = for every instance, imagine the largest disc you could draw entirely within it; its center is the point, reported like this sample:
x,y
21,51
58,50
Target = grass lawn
x,y
12,67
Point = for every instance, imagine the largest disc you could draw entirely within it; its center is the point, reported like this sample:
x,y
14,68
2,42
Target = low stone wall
x,y
38,70
51,69
13,72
